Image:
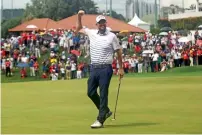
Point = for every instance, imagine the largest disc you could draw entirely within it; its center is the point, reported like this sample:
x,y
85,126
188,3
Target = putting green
x,y
163,105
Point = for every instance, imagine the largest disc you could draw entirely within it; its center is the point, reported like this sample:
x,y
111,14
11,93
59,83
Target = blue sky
x,y
22,3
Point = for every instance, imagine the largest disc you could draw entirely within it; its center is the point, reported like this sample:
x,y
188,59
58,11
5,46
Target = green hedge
x,y
185,24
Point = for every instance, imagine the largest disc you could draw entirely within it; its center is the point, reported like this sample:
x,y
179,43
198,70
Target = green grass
x,y
165,104
183,71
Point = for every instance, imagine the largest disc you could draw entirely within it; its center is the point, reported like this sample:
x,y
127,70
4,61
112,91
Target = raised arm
x,y
79,23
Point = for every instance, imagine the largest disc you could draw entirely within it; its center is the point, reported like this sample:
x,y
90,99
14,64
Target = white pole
x,y
197,6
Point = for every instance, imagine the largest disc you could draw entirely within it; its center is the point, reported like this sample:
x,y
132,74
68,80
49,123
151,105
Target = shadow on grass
x,y
130,125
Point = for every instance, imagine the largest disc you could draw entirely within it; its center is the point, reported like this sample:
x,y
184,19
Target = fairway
x,y
165,105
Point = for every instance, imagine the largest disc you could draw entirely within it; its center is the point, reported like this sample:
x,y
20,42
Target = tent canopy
x,y
136,21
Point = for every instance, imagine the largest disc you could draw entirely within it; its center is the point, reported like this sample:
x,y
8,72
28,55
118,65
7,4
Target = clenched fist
x,y
81,12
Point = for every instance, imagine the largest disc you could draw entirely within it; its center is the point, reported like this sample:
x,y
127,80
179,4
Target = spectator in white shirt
x,y
180,58
62,40
54,76
24,59
52,45
176,58
73,70
52,54
62,70
37,50
124,46
71,44
154,61
132,64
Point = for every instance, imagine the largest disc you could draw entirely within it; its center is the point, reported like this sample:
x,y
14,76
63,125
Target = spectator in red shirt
x,y
186,58
23,73
20,41
8,69
15,57
114,63
3,52
145,37
36,68
44,76
126,66
79,71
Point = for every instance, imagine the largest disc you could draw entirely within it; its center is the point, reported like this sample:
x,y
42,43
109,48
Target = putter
x,y
114,118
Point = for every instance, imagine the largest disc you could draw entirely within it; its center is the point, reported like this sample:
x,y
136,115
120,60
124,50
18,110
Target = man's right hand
x,y
121,73
81,13
78,23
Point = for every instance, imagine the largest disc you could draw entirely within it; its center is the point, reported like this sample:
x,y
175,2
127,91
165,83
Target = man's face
x,y
102,26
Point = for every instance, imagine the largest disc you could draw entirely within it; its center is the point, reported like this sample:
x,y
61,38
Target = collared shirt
x,y
102,46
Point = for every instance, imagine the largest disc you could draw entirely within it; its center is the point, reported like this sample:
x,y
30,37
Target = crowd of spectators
x,y
60,54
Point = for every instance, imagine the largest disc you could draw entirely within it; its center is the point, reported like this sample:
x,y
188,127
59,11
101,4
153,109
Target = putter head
x,y
113,119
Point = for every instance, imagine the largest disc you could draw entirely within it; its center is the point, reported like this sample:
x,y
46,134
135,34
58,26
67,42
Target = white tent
x,y
136,21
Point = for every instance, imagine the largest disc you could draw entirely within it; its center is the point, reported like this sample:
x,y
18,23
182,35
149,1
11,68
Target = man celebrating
x,y
103,43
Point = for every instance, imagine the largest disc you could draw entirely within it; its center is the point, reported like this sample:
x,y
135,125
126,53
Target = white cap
x,y
100,17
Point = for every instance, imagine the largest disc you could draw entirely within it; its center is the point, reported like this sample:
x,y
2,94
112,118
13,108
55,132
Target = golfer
x,y
103,44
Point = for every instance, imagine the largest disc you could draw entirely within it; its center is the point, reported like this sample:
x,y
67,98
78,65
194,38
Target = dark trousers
x,y
176,62
159,66
200,60
100,77
73,74
154,66
180,62
186,62
8,71
126,70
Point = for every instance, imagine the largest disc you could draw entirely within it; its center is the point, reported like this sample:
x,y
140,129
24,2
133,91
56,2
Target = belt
x,y
99,65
